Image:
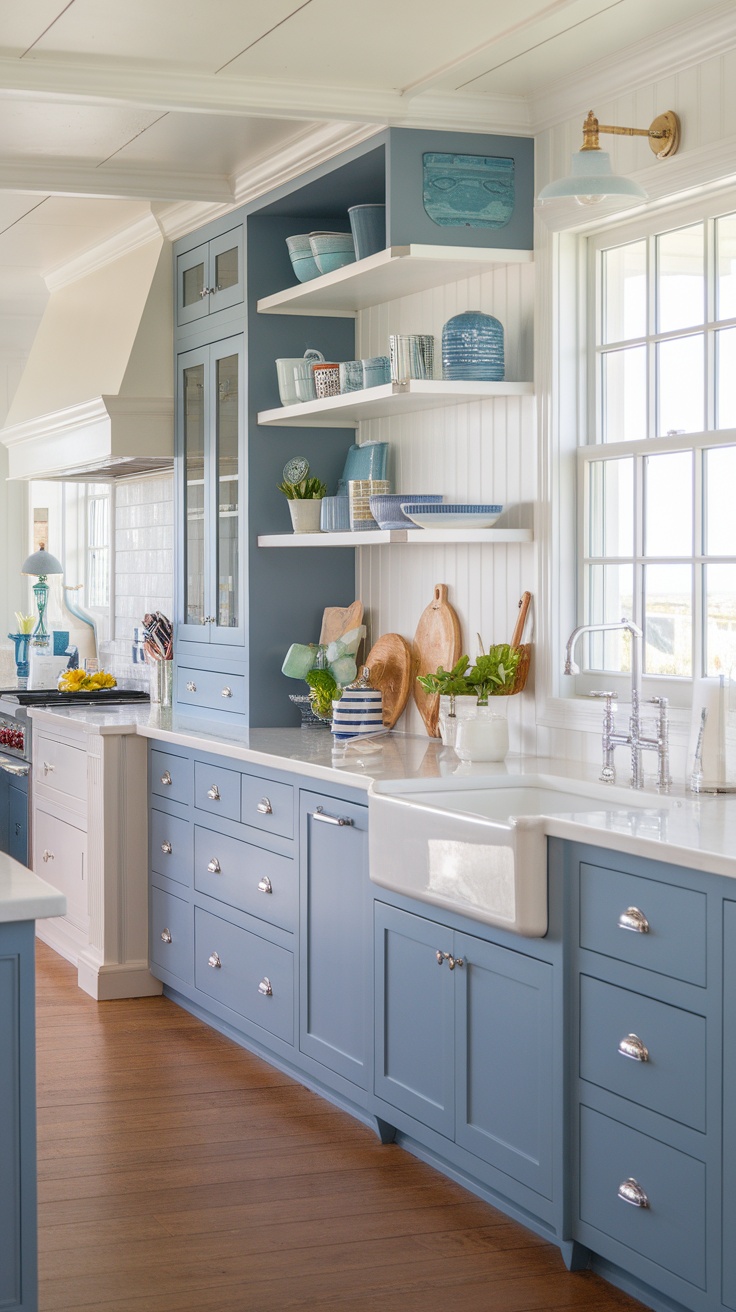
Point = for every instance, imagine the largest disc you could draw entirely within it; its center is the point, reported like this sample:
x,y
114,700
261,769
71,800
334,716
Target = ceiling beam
x,y
54,178
98,83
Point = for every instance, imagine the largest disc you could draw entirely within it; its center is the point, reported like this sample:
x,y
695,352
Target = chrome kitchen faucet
x,y
635,739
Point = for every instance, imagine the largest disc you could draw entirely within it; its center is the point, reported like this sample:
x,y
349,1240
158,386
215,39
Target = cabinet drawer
x,y
257,881
60,856
216,692
671,1230
217,790
246,973
60,766
171,776
171,847
671,1079
172,934
674,941
268,806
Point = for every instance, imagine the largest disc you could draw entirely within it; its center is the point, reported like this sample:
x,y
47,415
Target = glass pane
x,y
668,620
720,487
669,504
625,292
227,491
720,609
680,373
726,378
726,256
194,494
192,284
610,596
681,278
226,269
624,395
611,507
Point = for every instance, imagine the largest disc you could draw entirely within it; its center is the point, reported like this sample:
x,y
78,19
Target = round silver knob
x,y
630,1191
47,856
214,961
166,779
48,769
265,987
214,866
632,1047
166,848
635,920
226,692
213,793
165,935
455,961
264,885
442,957
264,807
191,686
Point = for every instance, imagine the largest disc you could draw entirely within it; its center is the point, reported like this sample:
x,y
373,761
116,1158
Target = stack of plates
x,y
451,516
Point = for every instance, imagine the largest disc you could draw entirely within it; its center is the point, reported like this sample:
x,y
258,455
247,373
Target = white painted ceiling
x,y
110,109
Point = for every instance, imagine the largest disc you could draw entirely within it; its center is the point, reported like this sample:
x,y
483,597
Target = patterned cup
x,y
360,491
351,376
376,371
412,356
326,380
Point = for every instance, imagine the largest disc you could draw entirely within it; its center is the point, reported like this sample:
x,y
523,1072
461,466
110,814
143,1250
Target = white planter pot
x,y
305,516
482,737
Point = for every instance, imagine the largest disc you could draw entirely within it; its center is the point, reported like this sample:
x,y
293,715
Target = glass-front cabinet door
x,y
210,277
210,402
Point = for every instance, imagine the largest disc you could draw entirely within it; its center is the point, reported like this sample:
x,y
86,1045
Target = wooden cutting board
x,y
437,641
390,663
338,620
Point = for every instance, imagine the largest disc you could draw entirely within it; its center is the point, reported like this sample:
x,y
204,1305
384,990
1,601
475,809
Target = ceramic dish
x,y
332,250
386,509
451,516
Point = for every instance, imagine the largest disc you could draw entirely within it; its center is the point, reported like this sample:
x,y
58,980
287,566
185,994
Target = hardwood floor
x,y
179,1172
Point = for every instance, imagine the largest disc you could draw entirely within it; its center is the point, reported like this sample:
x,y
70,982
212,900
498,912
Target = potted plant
x,y
492,675
305,503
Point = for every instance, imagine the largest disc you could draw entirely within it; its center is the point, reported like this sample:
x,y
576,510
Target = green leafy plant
x,y
448,683
494,673
310,489
323,691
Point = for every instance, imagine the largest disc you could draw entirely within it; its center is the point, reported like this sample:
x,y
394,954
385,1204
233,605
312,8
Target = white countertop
x,y
23,896
697,832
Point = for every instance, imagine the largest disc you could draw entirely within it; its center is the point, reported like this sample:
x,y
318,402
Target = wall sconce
x,y
592,178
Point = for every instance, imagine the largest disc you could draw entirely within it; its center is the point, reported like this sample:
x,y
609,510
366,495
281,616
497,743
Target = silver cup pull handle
x,y
635,920
320,814
630,1191
265,987
632,1046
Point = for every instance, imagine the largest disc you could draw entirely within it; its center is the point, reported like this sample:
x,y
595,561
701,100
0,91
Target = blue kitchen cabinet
x,y
18,1247
728,1227
334,925
209,276
464,1032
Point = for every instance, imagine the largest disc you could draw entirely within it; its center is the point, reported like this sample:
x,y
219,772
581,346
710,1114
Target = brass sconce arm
x,y
663,133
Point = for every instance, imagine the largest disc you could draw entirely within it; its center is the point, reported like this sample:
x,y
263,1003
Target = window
x,y
657,475
97,554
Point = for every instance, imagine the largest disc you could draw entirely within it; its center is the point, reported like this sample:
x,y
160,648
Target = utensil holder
x,y
161,683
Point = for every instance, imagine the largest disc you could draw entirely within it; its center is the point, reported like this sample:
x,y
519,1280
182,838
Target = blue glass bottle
x,y
472,348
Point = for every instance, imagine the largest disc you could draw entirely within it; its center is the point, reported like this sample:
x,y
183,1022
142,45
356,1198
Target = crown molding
x,y
129,239
50,178
643,64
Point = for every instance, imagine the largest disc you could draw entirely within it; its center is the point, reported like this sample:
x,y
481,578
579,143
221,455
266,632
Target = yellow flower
x,y
72,680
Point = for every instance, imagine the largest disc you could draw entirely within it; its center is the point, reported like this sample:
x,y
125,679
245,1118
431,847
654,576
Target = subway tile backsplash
x,y
144,565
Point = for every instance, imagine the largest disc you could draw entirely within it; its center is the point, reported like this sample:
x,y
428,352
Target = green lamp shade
x,y
591,179
41,562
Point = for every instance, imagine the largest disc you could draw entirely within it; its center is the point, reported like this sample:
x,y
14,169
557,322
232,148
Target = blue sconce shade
x,y
591,179
41,563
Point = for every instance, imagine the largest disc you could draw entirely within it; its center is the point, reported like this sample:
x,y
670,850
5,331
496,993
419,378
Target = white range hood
x,y
96,400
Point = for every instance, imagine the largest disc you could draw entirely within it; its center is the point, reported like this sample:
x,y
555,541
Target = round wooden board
x,y
437,641
389,661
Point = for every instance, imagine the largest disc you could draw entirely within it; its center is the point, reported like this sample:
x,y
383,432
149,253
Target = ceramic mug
x,y
351,376
360,491
326,380
376,371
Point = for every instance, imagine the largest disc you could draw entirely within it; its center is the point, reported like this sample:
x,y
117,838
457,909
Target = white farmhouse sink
x,y
479,846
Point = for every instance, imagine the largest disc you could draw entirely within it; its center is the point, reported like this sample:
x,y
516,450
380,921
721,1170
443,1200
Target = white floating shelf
x,y
397,271
419,537
348,409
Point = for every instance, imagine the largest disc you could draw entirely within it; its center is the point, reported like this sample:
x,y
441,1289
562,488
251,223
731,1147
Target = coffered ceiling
x,y
110,111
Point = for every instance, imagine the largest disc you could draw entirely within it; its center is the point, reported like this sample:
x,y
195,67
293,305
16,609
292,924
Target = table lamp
x,y
41,563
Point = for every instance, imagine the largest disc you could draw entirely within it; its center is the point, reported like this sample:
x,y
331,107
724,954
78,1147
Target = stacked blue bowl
x,y
332,250
302,260
472,348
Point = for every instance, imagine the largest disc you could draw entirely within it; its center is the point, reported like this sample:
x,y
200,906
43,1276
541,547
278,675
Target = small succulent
x,y
310,489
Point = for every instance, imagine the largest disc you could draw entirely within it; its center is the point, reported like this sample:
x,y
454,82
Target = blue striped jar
x,y
472,348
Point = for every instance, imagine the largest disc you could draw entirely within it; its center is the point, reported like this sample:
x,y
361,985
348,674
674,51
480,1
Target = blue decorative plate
x,y
451,516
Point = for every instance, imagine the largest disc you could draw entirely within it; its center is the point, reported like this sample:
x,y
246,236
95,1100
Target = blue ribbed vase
x,y
472,348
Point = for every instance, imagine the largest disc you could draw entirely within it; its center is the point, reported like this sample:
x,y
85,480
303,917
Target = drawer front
x,y
172,934
171,776
61,766
251,878
217,790
60,856
674,943
670,1079
251,976
170,840
216,692
268,806
671,1230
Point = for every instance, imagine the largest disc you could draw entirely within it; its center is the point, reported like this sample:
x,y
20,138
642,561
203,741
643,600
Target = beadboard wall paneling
x,y
480,451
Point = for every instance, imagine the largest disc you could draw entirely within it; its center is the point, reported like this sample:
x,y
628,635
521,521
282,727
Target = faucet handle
x,y
612,696
659,701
